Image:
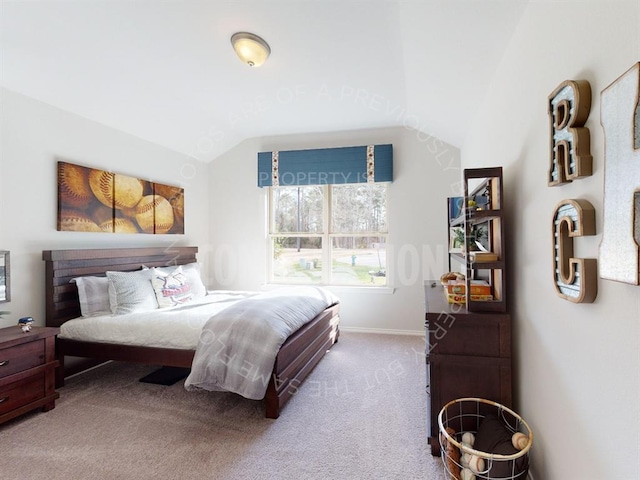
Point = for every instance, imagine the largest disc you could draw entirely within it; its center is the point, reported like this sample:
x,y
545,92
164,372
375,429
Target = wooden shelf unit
x,y
492,218
468,347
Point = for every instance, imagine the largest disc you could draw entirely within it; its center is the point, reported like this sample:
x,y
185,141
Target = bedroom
x,y
575,355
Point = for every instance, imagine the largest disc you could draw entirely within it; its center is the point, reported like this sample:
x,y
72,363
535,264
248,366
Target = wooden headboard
x,y
63,265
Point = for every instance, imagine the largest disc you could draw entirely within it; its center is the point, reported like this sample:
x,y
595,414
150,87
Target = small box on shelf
x,y
481,257
461,299
477,287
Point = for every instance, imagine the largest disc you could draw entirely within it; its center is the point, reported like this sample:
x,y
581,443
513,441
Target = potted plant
x,y
475,234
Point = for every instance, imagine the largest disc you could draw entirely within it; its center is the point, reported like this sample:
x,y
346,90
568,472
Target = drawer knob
x,y
4,362
4,399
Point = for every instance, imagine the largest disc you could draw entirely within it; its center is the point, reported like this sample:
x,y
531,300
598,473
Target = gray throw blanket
x,y
238,346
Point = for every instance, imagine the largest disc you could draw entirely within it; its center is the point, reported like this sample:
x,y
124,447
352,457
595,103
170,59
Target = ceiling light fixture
x,y
250,48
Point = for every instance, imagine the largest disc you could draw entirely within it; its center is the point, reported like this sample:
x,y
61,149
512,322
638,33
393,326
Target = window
x,y
329,234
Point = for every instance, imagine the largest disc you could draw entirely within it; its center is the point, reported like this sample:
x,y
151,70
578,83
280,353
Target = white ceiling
x,y
165,70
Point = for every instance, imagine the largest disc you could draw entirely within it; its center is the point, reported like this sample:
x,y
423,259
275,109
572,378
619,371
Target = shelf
x,y
488,306
478,216
487,182
497,265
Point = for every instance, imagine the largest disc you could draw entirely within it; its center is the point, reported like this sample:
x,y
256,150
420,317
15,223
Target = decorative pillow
x,y
131,292
192,274
93,293
171,288
494,437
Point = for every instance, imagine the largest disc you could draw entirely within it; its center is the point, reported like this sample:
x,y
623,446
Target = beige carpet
x,y
360,415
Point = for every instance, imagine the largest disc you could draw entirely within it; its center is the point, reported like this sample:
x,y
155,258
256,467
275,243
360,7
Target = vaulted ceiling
x,y
165,70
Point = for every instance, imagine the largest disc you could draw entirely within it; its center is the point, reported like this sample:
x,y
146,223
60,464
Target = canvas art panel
x,y
93,200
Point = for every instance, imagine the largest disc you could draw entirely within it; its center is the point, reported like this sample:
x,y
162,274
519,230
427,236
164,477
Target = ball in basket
x,y
519,440
468,438
476,464
466,474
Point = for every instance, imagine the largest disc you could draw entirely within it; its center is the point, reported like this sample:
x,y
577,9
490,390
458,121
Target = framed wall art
x,y
93,200
620,118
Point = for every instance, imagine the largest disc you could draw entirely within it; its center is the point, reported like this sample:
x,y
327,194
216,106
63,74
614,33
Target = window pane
x,y
359,208
359,261
297,260
297,209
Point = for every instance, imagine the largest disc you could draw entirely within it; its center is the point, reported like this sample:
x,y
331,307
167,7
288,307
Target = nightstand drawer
x,y
21,393
21,357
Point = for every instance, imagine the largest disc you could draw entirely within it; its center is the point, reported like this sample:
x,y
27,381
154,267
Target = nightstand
x,y
27,370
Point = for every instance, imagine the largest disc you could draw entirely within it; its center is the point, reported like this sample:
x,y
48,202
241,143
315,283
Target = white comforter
x,y
238,346
176,327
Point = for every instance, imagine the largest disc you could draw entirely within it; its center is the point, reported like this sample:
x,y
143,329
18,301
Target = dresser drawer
x,y
21,393
21,357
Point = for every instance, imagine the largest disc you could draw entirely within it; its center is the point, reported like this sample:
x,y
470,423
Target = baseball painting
x,y
91,200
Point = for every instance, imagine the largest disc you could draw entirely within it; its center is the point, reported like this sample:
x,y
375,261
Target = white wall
x,y
426,171
576,365
34,137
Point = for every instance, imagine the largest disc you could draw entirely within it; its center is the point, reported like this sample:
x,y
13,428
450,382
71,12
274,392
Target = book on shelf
x,y
480,257
462,299
477,287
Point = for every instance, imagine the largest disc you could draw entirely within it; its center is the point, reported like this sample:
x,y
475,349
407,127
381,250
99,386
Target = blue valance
x,y
369,163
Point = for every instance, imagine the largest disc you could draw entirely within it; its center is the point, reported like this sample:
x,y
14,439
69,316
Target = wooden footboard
x,y
295,360
297,357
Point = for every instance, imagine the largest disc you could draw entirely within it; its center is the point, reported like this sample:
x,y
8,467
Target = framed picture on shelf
x,y
456,205
456,239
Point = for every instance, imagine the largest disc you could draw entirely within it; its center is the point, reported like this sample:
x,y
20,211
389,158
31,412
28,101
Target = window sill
x,y
336,288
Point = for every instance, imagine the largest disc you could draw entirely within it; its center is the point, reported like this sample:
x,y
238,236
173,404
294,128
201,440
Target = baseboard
x,y
383,331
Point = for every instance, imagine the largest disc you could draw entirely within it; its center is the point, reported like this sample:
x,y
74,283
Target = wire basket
x,y
465,415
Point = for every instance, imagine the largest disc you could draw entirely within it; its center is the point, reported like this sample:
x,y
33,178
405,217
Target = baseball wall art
x,y
91,200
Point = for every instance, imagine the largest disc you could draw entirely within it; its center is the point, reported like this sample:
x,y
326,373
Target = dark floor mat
x,y
166,375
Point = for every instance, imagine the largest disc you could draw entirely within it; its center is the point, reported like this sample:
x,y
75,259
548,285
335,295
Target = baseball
x,y
154,214
175,195
72,221
476,464
73,185
464,460
115,190
177,202
519,440
166,191
120,225
466,474
468,438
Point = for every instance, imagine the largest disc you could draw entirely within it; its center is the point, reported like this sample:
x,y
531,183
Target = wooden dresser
x,y
468,354
27,370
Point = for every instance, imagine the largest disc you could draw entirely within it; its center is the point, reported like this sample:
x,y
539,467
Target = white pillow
x,y
171,288
93,293
192,273
131,292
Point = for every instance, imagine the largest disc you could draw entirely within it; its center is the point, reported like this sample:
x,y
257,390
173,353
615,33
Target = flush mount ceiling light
x,y
250,48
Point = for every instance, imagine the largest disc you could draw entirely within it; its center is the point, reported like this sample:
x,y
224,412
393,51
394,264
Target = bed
x,y
295,359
